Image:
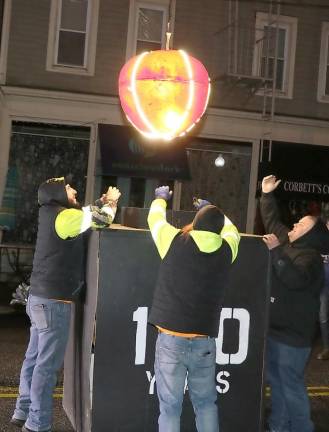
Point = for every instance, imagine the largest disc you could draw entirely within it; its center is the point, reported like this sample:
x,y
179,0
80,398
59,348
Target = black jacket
x,y
58,265
194,270
297,279
190,288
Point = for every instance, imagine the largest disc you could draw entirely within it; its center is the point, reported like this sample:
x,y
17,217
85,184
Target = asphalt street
x,y
14,330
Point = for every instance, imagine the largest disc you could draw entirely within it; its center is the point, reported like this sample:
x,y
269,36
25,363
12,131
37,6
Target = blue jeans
x,y
290,410
178,358
50,321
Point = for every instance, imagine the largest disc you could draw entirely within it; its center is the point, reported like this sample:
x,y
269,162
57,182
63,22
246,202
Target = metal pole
x,y
278,11
230,37
266,76
236,47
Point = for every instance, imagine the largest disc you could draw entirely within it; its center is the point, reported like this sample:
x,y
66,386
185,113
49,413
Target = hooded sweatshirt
x,y
297,278
58,264
194,270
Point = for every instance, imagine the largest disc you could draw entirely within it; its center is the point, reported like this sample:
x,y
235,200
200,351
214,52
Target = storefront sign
x,y
303,170
125,153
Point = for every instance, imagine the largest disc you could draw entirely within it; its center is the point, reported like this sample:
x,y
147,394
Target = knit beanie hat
x,y
53,191
209,218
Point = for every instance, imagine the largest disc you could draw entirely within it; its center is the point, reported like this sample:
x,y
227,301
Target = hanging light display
x,y
164,93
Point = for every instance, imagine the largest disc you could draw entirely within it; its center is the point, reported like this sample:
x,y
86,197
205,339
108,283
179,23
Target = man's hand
x,y
163,192
198,203
271,241
110,198
270,183
113,194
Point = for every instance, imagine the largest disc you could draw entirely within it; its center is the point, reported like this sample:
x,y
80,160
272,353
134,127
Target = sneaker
x,y
26,429
17,422
323,355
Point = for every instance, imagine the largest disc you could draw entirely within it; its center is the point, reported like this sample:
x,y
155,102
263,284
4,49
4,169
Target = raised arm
x,y
72,222
269,209
162,232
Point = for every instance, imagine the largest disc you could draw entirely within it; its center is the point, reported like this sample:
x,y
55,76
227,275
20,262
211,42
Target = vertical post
x,y
124,186
266,115
251,210
236,34
230,23
276,50
150,186
91,162
177,195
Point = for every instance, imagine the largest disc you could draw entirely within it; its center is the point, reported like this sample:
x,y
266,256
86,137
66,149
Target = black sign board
x,y
124,388
303,169
126,153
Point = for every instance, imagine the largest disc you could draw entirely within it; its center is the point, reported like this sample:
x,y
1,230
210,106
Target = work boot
x,y
323,355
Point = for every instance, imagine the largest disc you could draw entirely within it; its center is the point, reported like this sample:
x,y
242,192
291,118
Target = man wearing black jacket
x,y
297,279
56,280
187,301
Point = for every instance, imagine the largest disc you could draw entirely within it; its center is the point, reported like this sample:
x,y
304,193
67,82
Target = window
x,y
323,84
275,46
39,151
72,36
269,47
147,26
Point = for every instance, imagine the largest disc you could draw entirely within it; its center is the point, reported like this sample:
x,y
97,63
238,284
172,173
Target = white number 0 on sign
x,y
239,314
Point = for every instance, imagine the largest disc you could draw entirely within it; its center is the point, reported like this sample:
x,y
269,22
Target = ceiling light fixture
x,y
219,161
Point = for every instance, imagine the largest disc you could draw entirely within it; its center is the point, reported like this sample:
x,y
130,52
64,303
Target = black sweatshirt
x,y
297,279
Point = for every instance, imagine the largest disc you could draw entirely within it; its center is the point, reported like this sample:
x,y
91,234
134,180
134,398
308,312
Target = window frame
x,y
88,68
5,34
135,6
323,64
289,24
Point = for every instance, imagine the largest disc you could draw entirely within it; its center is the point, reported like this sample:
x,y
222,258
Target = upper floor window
x,y
72,36
147,26
275,47
323,84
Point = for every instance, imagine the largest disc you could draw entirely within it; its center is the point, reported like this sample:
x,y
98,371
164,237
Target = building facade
x,y
59,66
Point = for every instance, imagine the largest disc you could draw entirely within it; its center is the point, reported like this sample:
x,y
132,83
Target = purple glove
x,y
163,192
198,203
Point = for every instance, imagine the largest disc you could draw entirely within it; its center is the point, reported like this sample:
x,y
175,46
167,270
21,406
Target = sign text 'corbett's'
x,y
303,187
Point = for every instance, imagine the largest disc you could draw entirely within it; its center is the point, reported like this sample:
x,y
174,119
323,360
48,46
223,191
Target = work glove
x,y
198,203
110,198
163,192
99,202
100,218
20,295
112,195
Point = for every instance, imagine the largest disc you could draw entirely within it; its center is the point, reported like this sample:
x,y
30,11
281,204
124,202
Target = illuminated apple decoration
x,y
164,93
